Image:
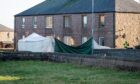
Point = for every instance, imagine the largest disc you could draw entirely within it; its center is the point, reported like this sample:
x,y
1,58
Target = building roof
x,y
127,6
5,29
49,7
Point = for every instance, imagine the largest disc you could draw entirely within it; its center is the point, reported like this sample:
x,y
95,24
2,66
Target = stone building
x,y
112,21
6,37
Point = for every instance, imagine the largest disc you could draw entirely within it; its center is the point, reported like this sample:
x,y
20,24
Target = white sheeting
x,y
36,43
97,46
33,37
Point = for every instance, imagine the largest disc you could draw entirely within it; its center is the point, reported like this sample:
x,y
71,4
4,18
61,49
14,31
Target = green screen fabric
x,y
85,48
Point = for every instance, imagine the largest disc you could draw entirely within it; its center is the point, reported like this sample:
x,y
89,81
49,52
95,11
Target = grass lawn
x,y
41,72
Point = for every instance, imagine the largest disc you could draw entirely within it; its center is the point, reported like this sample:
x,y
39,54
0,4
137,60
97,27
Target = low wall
x,y
121,59
124,54
4,56
99,60
119,52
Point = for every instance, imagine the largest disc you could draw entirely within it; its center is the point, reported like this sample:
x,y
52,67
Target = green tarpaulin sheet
x,y
85,48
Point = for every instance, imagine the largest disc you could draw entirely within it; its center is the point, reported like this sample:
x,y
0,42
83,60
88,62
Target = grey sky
x,y
9,8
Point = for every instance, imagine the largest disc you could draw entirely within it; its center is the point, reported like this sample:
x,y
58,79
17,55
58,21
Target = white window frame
x,y
23,36
67,21
100,43
84,39
35,21
49,22
58,37
23,22
101,23
85,21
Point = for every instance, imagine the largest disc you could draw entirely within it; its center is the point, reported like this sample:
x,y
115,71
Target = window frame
x,y
58,37
23,36
69,21
46,22
35,22
27,33
23,22
83,23
100,43
8,34
83,38
101,24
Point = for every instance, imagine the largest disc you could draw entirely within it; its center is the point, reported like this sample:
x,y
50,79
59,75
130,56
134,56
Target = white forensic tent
x,y
36,43
97,46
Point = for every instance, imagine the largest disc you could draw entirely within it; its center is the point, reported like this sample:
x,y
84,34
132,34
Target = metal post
x,y
92,26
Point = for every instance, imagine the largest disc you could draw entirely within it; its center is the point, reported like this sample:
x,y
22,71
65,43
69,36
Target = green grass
x,y
39,72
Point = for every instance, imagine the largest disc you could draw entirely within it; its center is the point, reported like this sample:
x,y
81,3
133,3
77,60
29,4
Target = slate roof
x,y
50,7
127,6
5,29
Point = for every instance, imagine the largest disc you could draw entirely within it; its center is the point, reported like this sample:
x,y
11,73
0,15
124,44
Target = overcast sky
x,y
8,8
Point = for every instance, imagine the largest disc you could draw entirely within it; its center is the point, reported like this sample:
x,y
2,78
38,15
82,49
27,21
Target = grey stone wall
x,y
120,59
97,61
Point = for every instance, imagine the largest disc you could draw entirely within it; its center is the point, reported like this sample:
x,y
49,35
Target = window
x,y
69,40
84,39
101,21
23,22
26,33
58,38
35,22
23,36
85,21
8,35
66,21
49,22
101,41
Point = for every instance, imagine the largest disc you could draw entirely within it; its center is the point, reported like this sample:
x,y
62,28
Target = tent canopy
x,y
33,37
36,43
95,45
